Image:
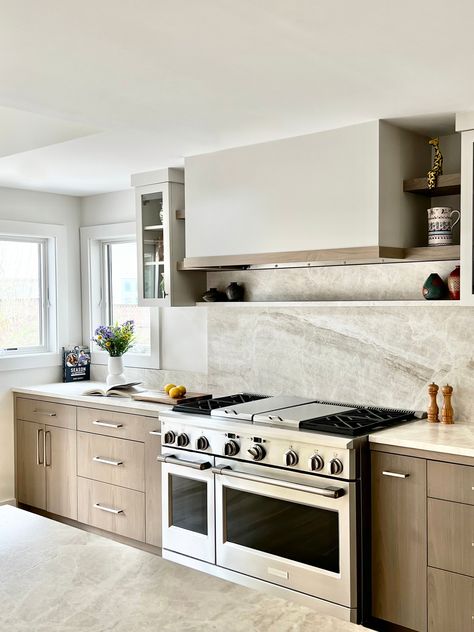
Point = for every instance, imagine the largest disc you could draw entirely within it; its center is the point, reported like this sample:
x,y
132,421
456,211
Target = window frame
x,y
52,238
93,273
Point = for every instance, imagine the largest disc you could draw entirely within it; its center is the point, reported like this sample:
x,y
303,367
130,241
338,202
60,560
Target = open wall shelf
x,y
449,184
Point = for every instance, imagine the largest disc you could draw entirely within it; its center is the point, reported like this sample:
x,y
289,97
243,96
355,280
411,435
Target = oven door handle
x,y
195,465
328,492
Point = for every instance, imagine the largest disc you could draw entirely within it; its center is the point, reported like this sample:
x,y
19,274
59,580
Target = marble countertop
x,y
456,439
72,391
57,578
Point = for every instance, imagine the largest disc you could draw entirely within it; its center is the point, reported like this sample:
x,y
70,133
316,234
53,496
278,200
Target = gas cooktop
x,y
300,413
205,406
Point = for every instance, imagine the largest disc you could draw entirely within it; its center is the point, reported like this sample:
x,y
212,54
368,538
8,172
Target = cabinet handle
x,y
395,474
108,509
155,433
38,457
42,412
102,459
47,462
107,424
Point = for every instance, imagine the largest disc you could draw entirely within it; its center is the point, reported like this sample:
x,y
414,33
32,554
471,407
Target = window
x,y
110,291
121,291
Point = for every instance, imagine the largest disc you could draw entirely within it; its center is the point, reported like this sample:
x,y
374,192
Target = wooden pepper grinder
x,y
447,412
433,409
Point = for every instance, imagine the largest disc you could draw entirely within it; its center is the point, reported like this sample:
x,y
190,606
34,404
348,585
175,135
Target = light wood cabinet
x,y
450,602
153,487
30,476
399,540
46,468
451,536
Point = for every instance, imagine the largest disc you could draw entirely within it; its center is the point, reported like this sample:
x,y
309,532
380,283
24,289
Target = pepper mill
x,y
433,409
447,412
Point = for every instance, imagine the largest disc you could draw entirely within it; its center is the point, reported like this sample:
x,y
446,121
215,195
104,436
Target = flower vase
x,y
115,371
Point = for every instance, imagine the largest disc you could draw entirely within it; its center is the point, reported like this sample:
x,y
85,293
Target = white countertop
x,y
456,438
72,391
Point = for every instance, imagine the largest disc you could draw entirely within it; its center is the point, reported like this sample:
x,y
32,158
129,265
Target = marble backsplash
x,y
382,355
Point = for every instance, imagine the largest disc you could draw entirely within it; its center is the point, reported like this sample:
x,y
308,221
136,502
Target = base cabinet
x,y
450,602
46,468
399,540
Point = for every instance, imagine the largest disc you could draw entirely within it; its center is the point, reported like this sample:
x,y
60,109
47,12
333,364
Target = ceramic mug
x,y
441,224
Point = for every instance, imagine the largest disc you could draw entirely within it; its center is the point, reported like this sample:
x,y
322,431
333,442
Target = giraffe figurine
x,y
437,168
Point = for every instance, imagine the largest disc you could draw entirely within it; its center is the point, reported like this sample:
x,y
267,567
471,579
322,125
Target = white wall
x,y
47,208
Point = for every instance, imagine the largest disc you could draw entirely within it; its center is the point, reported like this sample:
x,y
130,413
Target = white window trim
x,y
55,237
92,238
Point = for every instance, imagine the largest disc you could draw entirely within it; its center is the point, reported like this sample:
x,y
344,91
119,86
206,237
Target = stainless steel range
x,y
266,491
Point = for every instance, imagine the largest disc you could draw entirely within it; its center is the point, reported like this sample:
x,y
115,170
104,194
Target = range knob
x,y
291,458
257,452
316,463
231,448
202,443
169,437
182,440
335,466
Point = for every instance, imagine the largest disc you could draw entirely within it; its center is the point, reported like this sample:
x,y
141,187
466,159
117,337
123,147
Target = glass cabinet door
x,y
153,245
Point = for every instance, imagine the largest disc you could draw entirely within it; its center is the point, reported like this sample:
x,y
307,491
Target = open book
x,y
116,390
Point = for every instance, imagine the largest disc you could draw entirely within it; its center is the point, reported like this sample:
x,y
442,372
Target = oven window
x,y
188,504
301,533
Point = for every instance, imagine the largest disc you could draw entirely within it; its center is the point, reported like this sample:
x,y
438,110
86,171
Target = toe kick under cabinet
x,y
96,466
422,540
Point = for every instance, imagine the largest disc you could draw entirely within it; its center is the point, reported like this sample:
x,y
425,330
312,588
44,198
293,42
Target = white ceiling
x,y
139,85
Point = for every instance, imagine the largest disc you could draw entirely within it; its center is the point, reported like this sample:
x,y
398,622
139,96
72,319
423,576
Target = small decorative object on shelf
x,y
235,292
433,410
447,412
214,296
116,340
440,225
454,284
437,168
434,288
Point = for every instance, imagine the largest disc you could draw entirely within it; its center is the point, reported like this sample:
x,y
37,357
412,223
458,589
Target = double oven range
x,y
269,491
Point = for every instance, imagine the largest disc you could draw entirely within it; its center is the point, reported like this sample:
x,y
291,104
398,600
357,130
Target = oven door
x,y
299,532
188,504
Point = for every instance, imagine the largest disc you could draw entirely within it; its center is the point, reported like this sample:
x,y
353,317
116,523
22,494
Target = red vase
x,y
454,284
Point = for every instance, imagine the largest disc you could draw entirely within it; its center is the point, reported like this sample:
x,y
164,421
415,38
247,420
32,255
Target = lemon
x,y
168,387
182,389
174,392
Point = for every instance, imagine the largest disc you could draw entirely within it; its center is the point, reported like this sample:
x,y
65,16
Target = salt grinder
x,y
433,409
447,412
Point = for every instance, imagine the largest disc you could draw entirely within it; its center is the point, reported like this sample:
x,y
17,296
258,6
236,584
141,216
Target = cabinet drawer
x,y
117,461
450,602
451,536
451,482
123,425
112,508
43,412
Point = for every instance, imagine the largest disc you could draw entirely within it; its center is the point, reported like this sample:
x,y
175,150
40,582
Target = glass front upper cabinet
x,y
160,241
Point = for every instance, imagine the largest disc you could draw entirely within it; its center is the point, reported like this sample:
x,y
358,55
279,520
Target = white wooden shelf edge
x,y
348,303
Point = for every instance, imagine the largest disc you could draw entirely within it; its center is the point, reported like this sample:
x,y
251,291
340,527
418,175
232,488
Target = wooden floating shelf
x,y
449,184
180,215
322,258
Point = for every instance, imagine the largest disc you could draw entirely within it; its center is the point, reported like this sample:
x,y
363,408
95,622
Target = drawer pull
x,y
108,509
395,474
155,433
101,459
107,424
44,412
